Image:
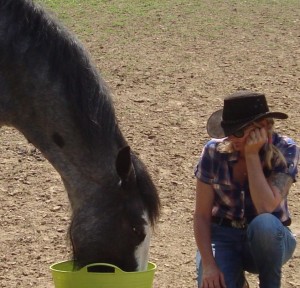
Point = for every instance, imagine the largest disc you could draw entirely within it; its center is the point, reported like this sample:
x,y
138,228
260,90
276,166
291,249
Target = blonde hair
x,y
272,155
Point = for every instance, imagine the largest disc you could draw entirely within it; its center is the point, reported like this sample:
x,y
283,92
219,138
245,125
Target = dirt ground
x,y
168,69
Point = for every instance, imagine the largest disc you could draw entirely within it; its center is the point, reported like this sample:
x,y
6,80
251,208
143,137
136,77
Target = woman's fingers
x,y
256,139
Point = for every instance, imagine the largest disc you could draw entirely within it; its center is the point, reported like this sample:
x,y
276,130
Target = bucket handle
x,y
101,268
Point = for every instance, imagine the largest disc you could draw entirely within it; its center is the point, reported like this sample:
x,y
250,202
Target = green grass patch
x,y
209,18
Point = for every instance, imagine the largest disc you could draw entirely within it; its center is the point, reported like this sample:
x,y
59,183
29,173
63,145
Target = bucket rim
x,y
152,265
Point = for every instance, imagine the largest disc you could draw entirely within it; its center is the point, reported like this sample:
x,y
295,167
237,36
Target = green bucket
x,y
65,276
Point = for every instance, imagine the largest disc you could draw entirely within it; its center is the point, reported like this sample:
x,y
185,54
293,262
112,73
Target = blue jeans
x,y
262,249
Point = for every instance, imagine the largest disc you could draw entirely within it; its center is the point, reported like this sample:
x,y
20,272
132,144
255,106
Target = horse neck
x,y
81,161
51,92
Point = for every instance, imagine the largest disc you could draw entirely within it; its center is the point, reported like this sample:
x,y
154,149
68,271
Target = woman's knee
x,y
266,228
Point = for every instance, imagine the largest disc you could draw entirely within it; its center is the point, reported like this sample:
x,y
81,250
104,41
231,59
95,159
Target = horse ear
x,y
124,164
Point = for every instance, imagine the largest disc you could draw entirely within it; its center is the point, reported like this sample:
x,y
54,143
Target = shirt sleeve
x,y
204,170
291,155
292,160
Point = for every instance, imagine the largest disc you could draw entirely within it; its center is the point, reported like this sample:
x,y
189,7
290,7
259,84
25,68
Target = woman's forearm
x,y
261,193
203,239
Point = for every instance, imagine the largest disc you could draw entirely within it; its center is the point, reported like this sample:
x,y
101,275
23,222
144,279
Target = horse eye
x,y
139,232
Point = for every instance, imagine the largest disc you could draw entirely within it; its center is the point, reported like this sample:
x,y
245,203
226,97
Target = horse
x,y
52,93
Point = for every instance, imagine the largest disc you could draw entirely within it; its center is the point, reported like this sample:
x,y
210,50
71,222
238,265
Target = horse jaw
x,y
142,251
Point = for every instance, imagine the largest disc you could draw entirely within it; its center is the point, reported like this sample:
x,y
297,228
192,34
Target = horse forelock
x,y
30,36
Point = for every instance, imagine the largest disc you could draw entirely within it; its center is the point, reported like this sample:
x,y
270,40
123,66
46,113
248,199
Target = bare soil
x,y
168,69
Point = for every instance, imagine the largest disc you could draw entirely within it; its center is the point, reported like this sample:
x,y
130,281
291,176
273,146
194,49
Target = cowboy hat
x,y
240,109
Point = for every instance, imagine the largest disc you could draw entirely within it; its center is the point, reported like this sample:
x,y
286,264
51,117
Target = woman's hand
x,y
256,140
212,277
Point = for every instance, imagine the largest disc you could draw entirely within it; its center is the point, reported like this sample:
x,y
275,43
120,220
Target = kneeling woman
x,y
243,179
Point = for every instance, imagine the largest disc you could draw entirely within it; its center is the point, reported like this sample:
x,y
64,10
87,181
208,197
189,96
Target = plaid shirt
x,y
233,200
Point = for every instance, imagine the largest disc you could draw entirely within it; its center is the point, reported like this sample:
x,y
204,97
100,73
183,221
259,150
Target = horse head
x,y
114,226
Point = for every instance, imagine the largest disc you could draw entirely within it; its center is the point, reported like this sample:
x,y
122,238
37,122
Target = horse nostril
x,y
58,140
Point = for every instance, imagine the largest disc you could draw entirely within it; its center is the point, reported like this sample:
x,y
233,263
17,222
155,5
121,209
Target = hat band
x,y
229,122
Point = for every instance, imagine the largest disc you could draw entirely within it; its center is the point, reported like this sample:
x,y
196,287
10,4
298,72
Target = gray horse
x,y
52,93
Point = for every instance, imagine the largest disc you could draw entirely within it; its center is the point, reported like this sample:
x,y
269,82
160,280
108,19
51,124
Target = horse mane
x,y
67,64
148,190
